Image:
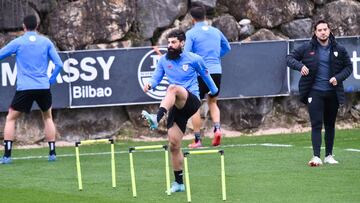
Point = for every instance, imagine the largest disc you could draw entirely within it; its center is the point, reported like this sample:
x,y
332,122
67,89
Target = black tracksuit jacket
x,y
340,66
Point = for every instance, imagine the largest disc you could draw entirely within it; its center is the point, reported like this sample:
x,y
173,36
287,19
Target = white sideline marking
x,y
276,145
310,147
353,150
155,150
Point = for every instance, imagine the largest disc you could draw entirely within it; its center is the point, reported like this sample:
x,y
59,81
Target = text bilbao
x,y
86,69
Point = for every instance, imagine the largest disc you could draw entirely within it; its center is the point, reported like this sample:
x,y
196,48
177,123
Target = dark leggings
x,y
323,107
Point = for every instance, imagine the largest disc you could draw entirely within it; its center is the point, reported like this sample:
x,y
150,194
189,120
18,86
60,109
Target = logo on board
x,y
146,69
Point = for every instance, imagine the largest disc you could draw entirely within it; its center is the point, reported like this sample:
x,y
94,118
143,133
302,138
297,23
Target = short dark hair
x,y
320,22
198,12
179,34
30,22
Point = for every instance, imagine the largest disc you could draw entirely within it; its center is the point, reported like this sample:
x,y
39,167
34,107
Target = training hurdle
x,y
132,170
90,142
187,179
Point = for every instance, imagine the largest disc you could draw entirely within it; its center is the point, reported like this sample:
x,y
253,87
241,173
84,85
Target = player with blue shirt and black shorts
x,y
182,97
211,45
33,52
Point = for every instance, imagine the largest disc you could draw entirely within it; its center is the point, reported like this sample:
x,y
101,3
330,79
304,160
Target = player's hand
x,y
157,50
333,81
147,87
304,71
213,95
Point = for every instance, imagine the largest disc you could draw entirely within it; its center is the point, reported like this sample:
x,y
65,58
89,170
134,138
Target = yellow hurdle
x,y
90,142
132,169
186,167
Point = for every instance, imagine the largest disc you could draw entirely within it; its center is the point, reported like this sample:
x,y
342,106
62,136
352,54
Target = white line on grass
x,y
353,150
156,150
276,145
310,147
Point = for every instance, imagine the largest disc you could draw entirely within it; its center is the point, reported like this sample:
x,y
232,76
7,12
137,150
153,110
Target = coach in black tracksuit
x,y
324,65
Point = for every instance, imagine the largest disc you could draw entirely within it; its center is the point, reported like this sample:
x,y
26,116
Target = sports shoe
x,y
217,137
52,158
195,145
151,119
315,161
176,187
330,160
5,160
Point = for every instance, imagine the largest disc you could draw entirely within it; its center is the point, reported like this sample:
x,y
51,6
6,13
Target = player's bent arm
x,y
293,60
55,58
210,83
348,67
204,74
158,74
8,49
225,46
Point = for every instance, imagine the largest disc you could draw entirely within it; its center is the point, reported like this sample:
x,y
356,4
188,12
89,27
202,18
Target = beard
x,y
173,54
323,39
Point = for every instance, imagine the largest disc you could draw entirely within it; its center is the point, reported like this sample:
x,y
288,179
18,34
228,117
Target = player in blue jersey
x,y
182,98
33,52
211,45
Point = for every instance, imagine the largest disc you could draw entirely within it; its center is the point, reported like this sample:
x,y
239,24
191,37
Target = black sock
x,y
52,148
7,147
197,136
161,112
179,176
216,126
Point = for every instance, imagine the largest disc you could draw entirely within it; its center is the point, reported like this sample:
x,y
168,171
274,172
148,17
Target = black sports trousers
x,y
323,107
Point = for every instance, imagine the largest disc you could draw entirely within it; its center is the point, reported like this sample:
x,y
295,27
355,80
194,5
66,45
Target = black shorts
x,y
181,116
203,88
24,99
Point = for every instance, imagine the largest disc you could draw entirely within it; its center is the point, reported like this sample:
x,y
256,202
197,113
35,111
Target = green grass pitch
x,y
255,172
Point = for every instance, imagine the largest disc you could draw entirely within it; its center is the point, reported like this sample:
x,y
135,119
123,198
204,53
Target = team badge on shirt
x,y
32,38
185,67
309,100
336,53
205,28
